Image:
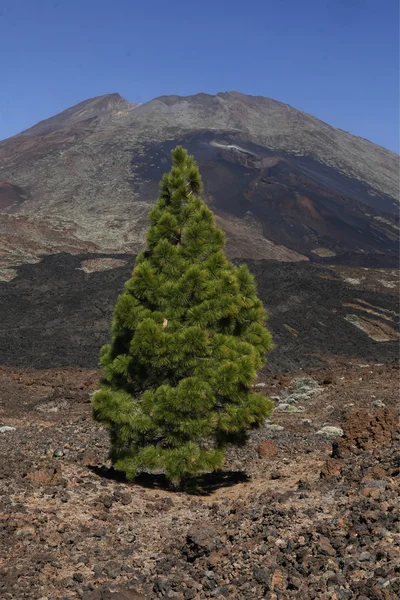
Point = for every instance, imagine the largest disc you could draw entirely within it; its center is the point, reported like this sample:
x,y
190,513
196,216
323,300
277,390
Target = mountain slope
x,y
279,127
283,184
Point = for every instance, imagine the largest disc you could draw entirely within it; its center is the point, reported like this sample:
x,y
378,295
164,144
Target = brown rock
x,y
126,498
267,449
54,540
331,468
25,531
374,488
45,475
107,501
201,541
278,581
89,459
325,547
366,429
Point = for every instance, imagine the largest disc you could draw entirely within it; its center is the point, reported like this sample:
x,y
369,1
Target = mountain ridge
x,y
132,105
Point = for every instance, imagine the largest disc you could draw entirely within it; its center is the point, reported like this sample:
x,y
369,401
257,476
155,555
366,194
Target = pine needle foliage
x,y
188,336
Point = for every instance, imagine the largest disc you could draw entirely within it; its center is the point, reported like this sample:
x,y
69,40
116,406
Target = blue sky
x,y
335,59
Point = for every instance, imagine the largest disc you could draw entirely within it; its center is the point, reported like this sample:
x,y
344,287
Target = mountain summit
x,y
282,183
93,108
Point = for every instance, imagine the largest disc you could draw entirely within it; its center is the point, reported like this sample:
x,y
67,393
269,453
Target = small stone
x,y
219,591
384,583
325,547
330,430
107,501
343,594
261,575
373,488
97,571
126,498
276,475
58,453
378,404
210,574
365,557
6,428
303,485
54,541
26,531
295,582
112,569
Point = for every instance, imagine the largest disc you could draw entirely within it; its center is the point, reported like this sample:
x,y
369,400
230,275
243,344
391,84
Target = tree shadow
x,y
200,485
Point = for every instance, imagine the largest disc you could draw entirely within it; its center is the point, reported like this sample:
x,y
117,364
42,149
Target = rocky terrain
x,y
284,185
307,509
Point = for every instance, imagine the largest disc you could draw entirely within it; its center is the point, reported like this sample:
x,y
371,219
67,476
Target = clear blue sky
x,y
335,59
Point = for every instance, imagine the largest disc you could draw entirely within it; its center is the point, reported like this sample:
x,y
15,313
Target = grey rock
x,y
378,404
210,574
201,541
291,408
261,575
330,431
275,427
6,428
58,453
365,557
300,389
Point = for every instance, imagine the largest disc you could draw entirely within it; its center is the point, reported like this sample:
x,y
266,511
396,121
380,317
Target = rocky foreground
x,y
307,509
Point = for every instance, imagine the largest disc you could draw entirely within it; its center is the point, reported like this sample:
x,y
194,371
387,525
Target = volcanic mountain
x,y
283,184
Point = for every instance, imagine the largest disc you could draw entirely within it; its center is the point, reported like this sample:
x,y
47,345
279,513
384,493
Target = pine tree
x,y
188,336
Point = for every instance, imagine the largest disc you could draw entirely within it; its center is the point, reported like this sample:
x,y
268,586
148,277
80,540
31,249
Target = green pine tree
x,y
188,336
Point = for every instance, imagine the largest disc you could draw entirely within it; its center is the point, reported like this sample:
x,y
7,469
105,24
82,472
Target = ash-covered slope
x,y
283,184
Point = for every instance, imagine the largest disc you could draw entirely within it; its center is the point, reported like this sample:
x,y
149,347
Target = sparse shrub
x,y
188,336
